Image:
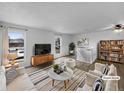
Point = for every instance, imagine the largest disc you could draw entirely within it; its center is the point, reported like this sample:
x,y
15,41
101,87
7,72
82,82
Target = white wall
x,y
95,37
66,40
36,36
40,36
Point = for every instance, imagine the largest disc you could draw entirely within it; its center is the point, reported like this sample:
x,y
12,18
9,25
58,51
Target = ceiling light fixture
x,y
118,28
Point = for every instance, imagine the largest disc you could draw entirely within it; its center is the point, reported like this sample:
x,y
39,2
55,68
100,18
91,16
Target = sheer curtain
x,y
4,46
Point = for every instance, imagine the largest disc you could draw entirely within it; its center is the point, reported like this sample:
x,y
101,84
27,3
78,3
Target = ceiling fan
x,y
115,27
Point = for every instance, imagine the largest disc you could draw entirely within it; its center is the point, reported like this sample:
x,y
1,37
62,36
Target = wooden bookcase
x,y
111,50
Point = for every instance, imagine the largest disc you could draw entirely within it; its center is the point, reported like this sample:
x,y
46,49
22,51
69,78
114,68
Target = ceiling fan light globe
x,y
116,30
120,30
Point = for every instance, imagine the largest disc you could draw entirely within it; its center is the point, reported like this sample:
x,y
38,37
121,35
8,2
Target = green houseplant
x,y
55,66
57,69
71,48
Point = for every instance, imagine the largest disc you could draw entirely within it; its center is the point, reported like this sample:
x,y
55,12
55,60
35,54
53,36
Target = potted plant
x,y
56,67
71,48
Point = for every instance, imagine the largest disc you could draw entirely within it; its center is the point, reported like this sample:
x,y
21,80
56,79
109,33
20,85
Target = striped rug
x,y
43,82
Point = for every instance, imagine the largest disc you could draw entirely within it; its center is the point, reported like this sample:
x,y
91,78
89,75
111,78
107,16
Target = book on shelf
x,y
111,50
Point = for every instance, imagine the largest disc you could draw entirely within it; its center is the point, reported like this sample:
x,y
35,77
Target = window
x,y
16,43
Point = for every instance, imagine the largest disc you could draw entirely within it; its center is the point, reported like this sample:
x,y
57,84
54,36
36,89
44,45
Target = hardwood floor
x,y
35,68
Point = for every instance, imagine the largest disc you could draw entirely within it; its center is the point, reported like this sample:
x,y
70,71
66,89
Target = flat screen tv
x,y
41,49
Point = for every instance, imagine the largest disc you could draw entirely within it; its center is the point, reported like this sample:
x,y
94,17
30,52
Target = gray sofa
x,y
91,76
20,83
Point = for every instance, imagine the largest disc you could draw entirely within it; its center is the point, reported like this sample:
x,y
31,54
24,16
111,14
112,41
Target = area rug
x,y
43,82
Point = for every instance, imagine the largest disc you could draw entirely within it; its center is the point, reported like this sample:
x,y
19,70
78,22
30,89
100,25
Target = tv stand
x,y
40,59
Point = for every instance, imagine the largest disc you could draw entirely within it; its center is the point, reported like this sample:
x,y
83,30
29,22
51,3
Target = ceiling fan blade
x,y
122,26
110,27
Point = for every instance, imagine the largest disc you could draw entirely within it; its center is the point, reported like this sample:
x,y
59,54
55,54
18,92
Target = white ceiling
x,y
63,17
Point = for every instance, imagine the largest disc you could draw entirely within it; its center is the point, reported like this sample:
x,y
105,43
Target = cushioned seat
x,y
21,83
91,76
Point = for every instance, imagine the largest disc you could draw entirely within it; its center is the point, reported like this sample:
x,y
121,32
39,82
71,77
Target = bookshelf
x,y
111,50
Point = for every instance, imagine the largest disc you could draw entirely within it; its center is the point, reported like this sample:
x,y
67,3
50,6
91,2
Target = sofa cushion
x,y
112,70
98,85
111,85
2,79
90,78
21,83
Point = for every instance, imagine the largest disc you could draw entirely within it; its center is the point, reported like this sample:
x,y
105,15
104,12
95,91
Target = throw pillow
x,y
98,85
105,69
11,74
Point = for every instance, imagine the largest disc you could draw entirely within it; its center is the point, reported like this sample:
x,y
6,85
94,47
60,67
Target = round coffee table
x,y
65,76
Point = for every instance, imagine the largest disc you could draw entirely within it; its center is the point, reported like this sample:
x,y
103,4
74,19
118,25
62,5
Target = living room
x,y
80,38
